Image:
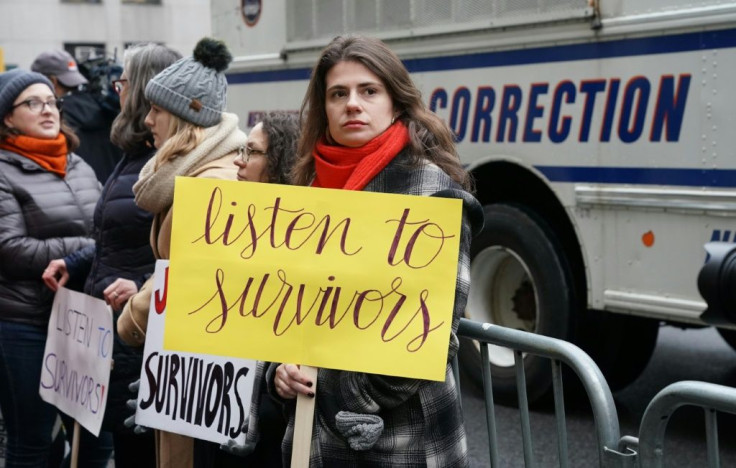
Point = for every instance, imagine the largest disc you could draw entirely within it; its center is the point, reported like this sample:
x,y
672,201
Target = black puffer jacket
x,y
121,231
122,250
42,217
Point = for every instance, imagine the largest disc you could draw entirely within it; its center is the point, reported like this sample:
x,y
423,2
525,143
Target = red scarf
x,y
352,168
49,154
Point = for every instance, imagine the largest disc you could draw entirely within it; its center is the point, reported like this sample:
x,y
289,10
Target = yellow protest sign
x,y
328,278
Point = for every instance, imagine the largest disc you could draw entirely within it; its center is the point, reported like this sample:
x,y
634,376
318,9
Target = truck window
x,y
310,19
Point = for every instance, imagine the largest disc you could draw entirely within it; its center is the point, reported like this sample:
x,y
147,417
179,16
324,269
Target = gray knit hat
x,y
194,88
13,83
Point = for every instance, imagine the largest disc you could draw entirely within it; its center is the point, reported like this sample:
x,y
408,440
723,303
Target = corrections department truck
x,y
600,135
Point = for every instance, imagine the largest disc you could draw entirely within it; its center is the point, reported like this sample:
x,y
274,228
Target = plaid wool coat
x,y
423,422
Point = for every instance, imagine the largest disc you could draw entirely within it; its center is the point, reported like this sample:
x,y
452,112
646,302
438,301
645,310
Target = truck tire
x,y
519,279
621,345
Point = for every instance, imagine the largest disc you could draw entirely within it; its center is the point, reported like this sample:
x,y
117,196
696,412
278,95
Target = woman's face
x,y
158,120
357,103
43,123
253,166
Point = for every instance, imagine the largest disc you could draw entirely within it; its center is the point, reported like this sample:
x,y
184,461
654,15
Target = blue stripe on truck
x,y
641,176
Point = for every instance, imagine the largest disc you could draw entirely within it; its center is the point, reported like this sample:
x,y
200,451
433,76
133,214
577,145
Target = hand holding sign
x,y
291,381
55,275
132,405
240,449
118,292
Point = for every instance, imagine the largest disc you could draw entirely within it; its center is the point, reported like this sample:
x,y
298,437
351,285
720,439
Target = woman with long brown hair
x,y
366,128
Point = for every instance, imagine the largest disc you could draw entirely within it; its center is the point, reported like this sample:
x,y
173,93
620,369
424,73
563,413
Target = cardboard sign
x,y
76,365
202,396
328,278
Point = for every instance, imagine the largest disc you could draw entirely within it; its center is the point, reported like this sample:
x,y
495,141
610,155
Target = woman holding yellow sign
x,y
366,128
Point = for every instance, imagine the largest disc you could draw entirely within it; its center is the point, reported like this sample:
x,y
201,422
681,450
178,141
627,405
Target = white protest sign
x,y
202,396
76,363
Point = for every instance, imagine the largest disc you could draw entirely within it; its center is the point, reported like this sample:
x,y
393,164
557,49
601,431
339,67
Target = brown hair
x,y
431,138
282,130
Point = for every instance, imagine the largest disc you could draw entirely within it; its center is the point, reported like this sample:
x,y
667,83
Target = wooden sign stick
x,y
75,445
303,422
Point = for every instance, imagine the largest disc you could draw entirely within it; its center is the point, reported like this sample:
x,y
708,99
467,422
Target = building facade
x,y
91,28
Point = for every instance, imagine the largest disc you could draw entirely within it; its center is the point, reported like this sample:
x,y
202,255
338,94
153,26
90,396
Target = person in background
x,y
47,199
366,128
268,157
82,112
121,260
194,137
271,151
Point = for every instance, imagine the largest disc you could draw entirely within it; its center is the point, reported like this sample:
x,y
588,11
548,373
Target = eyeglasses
x,y
118,85
36,105
246,155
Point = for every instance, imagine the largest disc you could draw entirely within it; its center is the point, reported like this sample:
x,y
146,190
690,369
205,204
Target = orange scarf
x,y
49,154
352,168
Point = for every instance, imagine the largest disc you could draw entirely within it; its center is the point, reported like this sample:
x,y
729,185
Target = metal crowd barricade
x,y
646,451
711,397
558,351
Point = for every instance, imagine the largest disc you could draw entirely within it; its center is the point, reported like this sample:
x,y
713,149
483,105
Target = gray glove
x,y
132,405
361,430
233,448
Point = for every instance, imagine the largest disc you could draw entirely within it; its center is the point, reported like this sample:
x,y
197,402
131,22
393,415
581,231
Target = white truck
x,y
600,134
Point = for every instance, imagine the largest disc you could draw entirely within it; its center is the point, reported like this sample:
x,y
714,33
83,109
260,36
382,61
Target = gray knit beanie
x,y
194,88
13,83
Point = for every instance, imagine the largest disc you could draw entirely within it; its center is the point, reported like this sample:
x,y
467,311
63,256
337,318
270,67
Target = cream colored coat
x,y
134,318
174,450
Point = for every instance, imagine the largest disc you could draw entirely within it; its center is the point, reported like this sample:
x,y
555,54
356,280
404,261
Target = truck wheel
x,y
519,279
620,344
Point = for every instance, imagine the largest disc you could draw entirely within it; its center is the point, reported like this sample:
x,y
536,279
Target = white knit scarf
x,y
154,191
